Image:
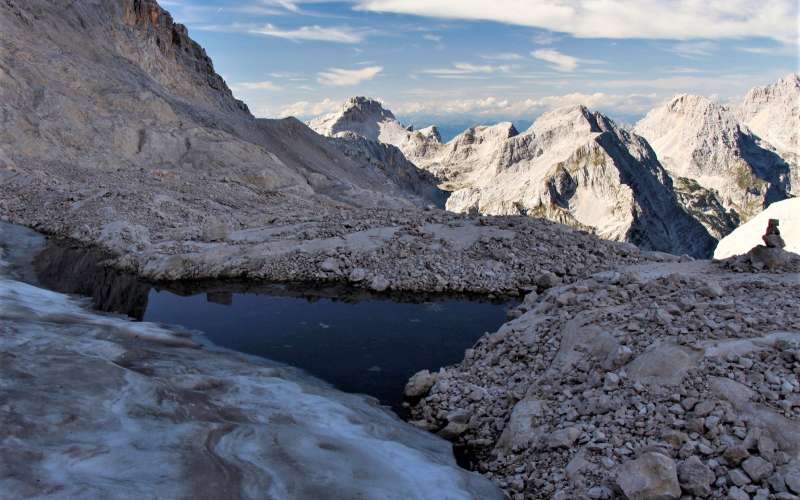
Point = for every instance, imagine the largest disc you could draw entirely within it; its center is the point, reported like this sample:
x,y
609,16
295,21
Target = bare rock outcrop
x,y
578,168
699,139
773,113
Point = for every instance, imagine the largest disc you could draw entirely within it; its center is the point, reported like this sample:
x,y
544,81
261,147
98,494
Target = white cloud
x,y
432,38
502,56
777,50
342,77
544,38
467,71
626,104
342,34
652,19
693,50
459,69
266,85
307,109
560,61
725,84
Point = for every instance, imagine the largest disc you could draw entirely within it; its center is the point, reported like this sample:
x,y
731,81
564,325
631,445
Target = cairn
x,y
772,238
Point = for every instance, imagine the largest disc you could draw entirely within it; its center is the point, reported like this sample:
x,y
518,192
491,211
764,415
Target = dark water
x,y
357,341
368,345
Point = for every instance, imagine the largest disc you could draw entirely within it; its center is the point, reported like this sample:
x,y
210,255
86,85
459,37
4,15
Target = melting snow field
x,y
96,406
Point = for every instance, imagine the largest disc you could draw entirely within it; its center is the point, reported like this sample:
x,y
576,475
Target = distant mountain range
x,y
686,175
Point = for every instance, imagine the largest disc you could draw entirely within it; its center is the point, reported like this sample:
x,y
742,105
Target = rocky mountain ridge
x,y
701,140
773,113
720,172
570,166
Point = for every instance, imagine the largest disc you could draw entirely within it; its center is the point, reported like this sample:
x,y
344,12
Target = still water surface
x,y
357,341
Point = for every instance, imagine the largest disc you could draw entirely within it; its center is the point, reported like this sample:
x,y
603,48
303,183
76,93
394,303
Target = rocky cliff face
x,y
163,49
704,141
112,95
773,113
390,160
581,169
571,166
367,118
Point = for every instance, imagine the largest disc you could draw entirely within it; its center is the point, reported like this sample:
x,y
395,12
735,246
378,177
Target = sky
x,y
483,61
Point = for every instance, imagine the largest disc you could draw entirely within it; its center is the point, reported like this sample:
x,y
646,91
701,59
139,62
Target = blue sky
x,y
459,61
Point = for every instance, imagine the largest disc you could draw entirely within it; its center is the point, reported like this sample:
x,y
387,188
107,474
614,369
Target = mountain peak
x,y
366,108
360,115
687,102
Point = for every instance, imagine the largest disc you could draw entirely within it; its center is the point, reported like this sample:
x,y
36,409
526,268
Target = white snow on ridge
x,y
748,235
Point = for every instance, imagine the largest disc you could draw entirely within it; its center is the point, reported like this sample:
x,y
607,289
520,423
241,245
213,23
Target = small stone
x,y
704,408
566,298
459,416
358,274
735,454
695,477
652,476
563,438
772,238
712,289
738,477
419,384
761,494
452,430
792,479
777,482
599,492
767,447
379,284
757,468
546,280
674,438
611,380
330,265
737,494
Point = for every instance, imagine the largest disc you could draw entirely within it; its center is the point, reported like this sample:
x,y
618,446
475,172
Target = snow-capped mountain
x,y
773,113
748,235
704,141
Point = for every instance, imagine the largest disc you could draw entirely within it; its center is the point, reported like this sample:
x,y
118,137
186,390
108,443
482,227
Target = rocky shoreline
x,y
671,380
96,405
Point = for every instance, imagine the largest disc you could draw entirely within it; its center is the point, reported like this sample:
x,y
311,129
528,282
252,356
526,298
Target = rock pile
x,y
772,238
641,384
768,257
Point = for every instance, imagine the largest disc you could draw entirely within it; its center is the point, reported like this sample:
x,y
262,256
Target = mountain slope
x,y
773,113
119,88
704,141
571,166
578,168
